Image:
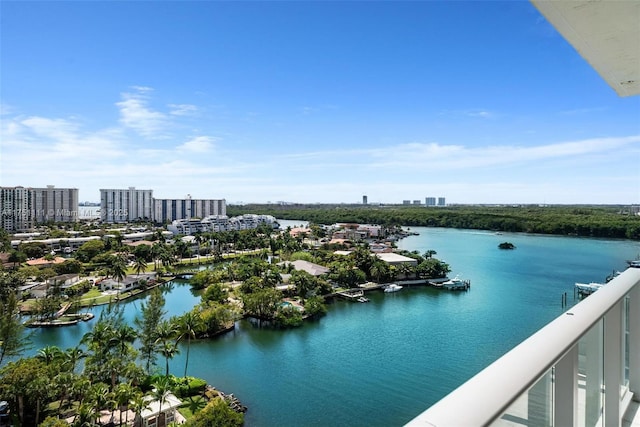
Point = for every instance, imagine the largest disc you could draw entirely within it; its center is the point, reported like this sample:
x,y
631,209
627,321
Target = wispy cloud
x,y
579,111
5,109
136,114
199,144
57,129
481,114
441,157
182,109
476,113
65,152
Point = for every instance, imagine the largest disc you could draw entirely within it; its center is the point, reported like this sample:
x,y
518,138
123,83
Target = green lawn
x,y
191,405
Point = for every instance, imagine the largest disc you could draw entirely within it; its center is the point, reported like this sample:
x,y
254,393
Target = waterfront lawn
x,y
191,405
95,297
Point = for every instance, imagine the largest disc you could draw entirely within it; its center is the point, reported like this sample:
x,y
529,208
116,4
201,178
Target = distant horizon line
x,y
240,203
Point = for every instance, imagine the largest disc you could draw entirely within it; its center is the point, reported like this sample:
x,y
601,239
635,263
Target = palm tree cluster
x,y
106,372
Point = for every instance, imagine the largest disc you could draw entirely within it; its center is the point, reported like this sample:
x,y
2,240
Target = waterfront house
x,y
127,284
392,258
159,414
309,267
44,263
64,280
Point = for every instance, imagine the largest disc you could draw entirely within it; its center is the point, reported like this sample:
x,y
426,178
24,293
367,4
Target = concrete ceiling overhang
x,y
605,32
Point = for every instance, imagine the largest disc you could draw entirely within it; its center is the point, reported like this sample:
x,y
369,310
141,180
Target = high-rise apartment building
x,y
168,210
118,205
430,201
441,201
24,207
364,200
55,204
17,208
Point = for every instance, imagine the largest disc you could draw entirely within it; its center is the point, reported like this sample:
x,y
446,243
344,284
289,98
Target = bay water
x,y
384,362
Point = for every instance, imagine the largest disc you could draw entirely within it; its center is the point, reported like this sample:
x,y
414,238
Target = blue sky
x,y
478,102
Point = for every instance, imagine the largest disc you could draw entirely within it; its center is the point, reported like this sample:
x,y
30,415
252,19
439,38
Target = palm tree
x,y
166,331
123,394
118,269
183,249
406,269
122,337
378,269
303,282
159,236
196,404
100,396
49,354
61,384
156,250
198,239
98,338
161,391
271,278
140,265
188,326
138,403
71,358
169,350
429,253
80,389
38,389
86,416
17,257
167,258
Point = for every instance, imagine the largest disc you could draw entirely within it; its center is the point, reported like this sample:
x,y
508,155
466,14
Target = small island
x,y
506,245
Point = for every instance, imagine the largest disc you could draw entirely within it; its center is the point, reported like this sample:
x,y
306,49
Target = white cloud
x,y
182,109
59,129
579,111
5,109
44,141
65,152
481,114
142,89
199,144
474,113
137,115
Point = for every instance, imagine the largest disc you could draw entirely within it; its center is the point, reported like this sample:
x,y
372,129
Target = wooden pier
x,y
351,295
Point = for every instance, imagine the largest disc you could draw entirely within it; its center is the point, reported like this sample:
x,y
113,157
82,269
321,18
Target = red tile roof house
x,y
43,263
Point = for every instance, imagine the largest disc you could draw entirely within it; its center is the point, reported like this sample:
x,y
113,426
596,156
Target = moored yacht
x,y
392,288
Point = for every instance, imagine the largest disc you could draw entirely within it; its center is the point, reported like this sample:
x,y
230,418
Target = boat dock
x,y
351,294
585,289
357,294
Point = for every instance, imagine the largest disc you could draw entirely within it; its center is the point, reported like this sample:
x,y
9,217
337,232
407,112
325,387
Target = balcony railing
x,y
582,369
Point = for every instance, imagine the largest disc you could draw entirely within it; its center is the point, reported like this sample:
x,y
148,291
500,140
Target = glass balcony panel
x,y
532,408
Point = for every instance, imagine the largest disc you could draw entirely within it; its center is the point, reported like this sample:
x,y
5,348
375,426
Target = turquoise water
x,y
383,362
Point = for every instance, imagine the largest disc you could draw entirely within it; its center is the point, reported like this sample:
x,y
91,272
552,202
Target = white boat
x,y
392,288
588,288
363,299
455,284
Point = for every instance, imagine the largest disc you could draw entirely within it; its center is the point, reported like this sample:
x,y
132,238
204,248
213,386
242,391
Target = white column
x,y
566,391
634,342
613,365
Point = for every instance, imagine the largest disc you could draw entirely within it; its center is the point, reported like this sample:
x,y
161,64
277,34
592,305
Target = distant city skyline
x,y
310,102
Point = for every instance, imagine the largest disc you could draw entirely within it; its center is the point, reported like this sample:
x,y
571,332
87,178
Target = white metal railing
x,y
581,369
